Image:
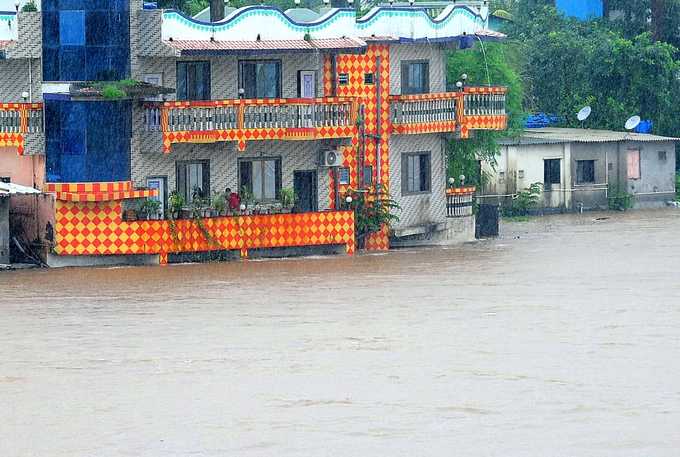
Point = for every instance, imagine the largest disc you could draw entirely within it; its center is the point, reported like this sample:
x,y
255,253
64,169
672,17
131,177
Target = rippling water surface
x,y
562,338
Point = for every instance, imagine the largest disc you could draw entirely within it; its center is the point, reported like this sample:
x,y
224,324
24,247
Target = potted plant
x,y
175,204
219,204
150,209
287,199
247,199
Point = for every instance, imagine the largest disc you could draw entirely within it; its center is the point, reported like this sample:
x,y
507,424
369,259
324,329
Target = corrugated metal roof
x,y
553,135
15,189
197,46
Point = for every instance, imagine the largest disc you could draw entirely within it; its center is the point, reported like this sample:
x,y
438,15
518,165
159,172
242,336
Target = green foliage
x,y
371,212
525,201
29,7
150,207
176,202
112,92
504,60
219,201
287,197
619,199
247,196
569,64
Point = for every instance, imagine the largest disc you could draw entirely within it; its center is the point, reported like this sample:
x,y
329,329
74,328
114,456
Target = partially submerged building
x,y
325,104
584,169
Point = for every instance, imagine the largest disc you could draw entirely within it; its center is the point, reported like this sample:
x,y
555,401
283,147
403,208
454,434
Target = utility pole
x,y
216,10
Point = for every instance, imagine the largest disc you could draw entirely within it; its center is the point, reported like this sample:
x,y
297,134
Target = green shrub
x,y
525,201
29,7
371,213
112,92
619,200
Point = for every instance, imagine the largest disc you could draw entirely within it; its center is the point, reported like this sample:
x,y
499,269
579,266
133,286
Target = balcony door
x,y
304,185
260,78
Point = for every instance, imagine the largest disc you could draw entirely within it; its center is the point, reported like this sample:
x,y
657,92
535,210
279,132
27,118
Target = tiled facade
x,y
368,76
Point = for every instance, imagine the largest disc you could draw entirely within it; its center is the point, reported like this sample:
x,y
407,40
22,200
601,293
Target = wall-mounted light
x,y
297,2
464,77
241,92
350,2
16,6
326,2
411,2
24,95
348,199
462,180
452,181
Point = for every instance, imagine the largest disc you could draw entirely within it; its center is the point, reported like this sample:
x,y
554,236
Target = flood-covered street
x,y
558,339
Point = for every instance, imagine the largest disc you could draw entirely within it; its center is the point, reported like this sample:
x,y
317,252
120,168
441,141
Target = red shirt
x,y
234,201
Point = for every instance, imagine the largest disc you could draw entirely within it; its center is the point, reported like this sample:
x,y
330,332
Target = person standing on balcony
x,y
233,199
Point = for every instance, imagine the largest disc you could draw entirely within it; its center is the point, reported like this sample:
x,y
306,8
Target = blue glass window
x,y
72,28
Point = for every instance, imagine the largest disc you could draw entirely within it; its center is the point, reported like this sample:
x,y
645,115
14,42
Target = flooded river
x,y
562,338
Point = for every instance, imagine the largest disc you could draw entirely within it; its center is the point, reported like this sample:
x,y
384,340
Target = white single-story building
x,y
580,168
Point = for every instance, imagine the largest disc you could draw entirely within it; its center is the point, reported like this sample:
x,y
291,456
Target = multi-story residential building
x,y
325,104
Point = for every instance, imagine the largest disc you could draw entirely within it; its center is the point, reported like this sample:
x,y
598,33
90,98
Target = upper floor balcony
x,y
473,108
244,120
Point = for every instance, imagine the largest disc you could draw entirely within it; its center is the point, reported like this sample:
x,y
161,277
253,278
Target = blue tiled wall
x,y
86,40
582,9
88,141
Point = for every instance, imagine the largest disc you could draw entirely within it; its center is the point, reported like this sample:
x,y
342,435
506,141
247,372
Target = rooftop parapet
x,y
395,23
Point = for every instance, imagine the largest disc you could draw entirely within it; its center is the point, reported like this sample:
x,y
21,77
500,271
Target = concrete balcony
x,y
251,120
474,108
19,121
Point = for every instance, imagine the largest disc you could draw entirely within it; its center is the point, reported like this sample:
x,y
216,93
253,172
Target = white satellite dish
x,y
584,113
632,122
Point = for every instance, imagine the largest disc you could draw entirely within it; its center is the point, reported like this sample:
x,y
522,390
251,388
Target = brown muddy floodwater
x,y
560,339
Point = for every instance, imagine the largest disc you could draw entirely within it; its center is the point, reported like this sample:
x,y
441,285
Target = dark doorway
x,y
306,199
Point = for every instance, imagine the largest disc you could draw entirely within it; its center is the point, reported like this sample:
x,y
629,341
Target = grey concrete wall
x,y
15,78
656,185
423,208
592,196
4,230
295,155
29,40
432,53
654,188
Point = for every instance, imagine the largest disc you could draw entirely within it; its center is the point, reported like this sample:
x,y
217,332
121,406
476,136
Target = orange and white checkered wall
x,y
376,113
96,228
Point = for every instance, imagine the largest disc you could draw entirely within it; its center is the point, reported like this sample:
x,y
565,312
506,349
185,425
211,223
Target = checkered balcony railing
x,y
206,116
424,108
484,101
472,108
21,117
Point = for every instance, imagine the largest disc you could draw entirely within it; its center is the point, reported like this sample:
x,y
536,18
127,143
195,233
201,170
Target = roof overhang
x,y
214,47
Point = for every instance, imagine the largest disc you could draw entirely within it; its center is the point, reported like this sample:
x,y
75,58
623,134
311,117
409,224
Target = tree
x,y
504,60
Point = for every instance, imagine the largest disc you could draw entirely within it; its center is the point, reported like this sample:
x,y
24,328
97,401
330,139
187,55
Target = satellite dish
x,y
584,113
632,122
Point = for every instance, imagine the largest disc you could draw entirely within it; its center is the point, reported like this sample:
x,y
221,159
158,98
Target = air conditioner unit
x,y
331,158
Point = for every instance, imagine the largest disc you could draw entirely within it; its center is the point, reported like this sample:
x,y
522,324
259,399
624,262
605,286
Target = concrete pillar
x,y
4,229
567,181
